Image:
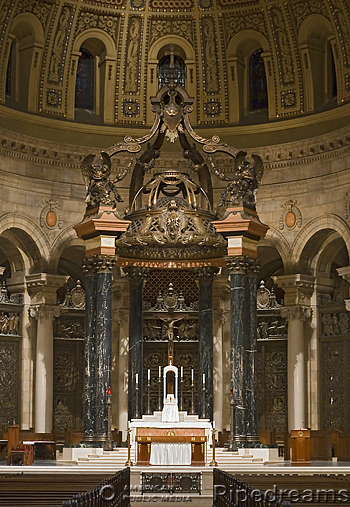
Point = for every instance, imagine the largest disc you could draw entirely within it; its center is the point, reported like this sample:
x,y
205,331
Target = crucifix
x,y
170,335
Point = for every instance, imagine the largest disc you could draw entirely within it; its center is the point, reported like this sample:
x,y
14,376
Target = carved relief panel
x,y
272,385
68,381
9,381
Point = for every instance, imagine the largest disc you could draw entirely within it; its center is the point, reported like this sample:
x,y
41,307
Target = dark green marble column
x,y
251,350
205,335
103,341
136,277
237,267
90,350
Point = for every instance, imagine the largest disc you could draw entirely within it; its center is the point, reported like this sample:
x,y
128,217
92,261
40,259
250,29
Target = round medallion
x,y
51,218
290,219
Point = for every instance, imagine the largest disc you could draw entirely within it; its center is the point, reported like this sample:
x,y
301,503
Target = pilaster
x,y
298,292
42,289
345,274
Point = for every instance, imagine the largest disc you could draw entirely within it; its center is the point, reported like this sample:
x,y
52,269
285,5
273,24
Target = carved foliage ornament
x,y
9,381
160,27
109,24
59,46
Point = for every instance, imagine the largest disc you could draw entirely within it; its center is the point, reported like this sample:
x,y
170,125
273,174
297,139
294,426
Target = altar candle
x,y
213,425
192,375
203,379
182,372
149,374
137,379
160,371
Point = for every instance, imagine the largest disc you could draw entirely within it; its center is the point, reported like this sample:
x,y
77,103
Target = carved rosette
x,y
242,264
296,312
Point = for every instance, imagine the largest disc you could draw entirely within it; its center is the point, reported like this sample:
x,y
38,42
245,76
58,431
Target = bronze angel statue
x,y
100,189
243,186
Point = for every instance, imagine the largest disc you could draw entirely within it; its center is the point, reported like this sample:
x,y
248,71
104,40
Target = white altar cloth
x,y
170,411
170,453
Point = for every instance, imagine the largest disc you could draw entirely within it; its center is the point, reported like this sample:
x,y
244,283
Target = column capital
x,y
296,312
207,272
44,311
344,273
298,288
98,264
42,287
135,273
242,264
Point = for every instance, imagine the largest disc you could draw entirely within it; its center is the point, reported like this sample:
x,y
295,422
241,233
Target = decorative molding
x,y
44,311
75,298
50,215
290,216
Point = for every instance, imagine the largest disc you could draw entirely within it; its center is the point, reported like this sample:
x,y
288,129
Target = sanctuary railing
x,y
112,492
229,491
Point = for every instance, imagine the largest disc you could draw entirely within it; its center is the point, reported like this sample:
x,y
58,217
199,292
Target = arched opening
x,y
257,82
91,87
318,63
23,63
164,70
84,87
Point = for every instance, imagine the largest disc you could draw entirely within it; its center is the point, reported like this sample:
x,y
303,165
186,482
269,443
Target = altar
x,y
185,442
170,437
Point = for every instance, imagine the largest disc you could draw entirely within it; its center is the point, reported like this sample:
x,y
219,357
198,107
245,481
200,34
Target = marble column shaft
x,y
136,277
237,352
98,345
103,348
90,356
205,334
250,338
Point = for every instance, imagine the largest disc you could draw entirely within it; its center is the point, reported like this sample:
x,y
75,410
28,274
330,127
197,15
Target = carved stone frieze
x,y
304,9
9,299
40,9
253,20
69,327
10,323
87,20
170,301
335,324
161,26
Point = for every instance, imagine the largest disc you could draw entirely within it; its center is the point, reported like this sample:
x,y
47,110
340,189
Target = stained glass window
x,y
164,71
258,85
333,77
84,88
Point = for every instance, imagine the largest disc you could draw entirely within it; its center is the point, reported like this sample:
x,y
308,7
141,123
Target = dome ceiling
x,y
302,58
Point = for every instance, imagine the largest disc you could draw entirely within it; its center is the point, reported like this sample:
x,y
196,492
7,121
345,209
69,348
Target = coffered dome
x,y
244,62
